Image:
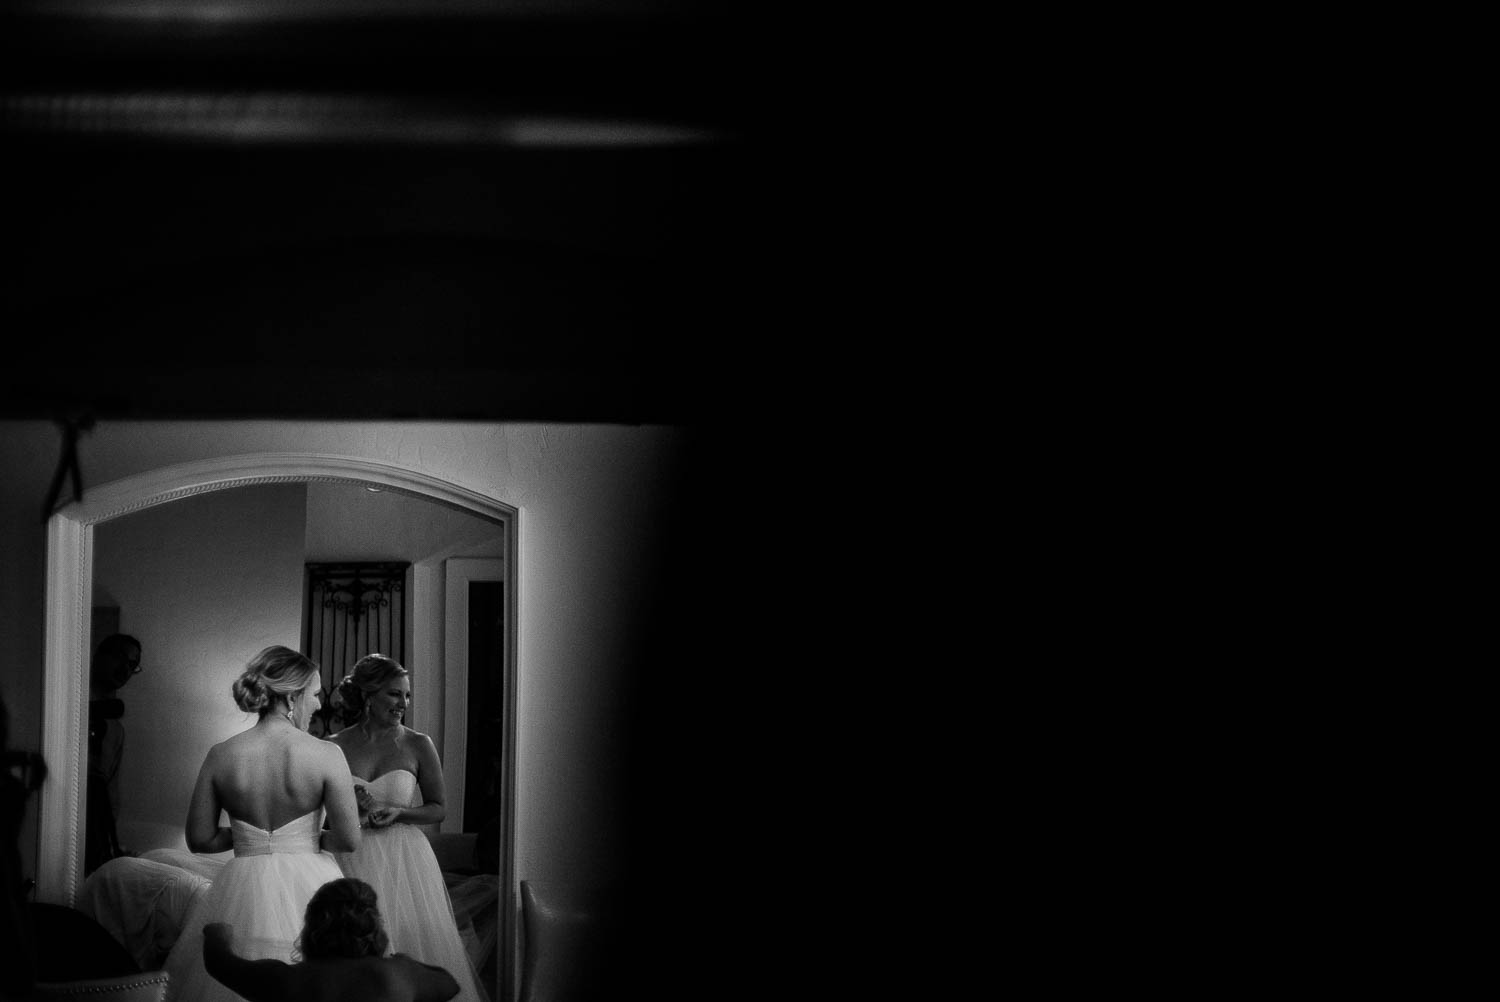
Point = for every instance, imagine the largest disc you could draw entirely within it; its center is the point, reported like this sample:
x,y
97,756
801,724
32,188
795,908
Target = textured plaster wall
x,y
593,500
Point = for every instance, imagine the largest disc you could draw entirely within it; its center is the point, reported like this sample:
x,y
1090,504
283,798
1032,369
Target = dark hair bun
x,y
250,693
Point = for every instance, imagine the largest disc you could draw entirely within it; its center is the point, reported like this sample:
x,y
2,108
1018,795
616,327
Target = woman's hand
x,y
384,817
364,801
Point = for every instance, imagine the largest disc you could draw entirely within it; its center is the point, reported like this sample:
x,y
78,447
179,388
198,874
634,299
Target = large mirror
x,y
205,582
208,563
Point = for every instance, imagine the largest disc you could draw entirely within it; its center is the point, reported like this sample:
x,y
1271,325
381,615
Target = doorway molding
x,y
458,573
70,542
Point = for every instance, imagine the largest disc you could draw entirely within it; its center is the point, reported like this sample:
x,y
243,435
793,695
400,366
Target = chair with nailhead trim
x,y
148,986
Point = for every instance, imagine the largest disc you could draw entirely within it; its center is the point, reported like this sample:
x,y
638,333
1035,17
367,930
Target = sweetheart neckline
x,y
377,779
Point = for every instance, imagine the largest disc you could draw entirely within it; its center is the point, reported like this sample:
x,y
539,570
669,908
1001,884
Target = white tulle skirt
x,y
413,899
264,898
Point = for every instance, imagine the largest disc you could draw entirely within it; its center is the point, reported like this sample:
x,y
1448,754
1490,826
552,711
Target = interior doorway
x,y
486,705
479,705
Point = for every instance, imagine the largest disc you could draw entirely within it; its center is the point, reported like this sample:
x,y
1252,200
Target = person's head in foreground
x,y
342,920
341,957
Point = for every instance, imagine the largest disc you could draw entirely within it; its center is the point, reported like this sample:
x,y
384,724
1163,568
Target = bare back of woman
x,y
278,785
271,775
268,776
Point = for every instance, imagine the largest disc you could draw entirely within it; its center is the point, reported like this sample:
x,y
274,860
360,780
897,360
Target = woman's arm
x,y
203,831
341,810
256,980
429,778
363,802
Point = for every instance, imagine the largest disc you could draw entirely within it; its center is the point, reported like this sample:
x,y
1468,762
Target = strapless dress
x,y
398,862
263,893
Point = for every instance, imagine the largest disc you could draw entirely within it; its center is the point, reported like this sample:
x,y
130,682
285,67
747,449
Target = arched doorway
x,y
70,538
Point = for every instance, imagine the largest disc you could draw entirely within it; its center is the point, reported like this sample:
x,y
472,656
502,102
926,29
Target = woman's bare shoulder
x,y
327,747
234,751
233,745
425,979
415,739
366,978
318,749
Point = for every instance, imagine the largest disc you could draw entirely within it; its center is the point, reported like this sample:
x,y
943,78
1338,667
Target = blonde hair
x,y
368,675
275,673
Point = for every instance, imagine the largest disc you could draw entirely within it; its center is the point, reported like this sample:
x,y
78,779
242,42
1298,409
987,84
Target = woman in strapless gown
x,y
277,784
402,782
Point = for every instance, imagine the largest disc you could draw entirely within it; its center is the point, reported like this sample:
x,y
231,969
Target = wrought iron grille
x,y
353,609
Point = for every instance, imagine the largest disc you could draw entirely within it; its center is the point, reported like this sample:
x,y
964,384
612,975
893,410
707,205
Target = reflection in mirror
x,y
333,569
352,609
206,581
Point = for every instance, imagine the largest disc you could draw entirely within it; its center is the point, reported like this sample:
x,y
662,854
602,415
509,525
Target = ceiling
x,y
435,210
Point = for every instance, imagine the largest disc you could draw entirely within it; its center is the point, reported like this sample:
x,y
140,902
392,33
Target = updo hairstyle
x,y
342,920
370,673
276,672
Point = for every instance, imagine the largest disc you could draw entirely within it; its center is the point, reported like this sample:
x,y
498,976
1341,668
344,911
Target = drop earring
x,y
289,707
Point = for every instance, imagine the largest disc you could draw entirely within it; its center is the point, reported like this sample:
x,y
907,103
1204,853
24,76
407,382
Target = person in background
x,y
116,661
343,957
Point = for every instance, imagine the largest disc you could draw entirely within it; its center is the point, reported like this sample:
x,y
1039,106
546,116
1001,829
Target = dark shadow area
x,y
462,211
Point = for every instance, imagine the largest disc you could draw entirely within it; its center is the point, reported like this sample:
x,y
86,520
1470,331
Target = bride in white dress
x,y
276,781
403,779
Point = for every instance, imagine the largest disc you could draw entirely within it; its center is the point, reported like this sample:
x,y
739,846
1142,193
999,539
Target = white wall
x,y
593,500
204,583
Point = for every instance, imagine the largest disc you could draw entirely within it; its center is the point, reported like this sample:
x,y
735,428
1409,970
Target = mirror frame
x,y
70,567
